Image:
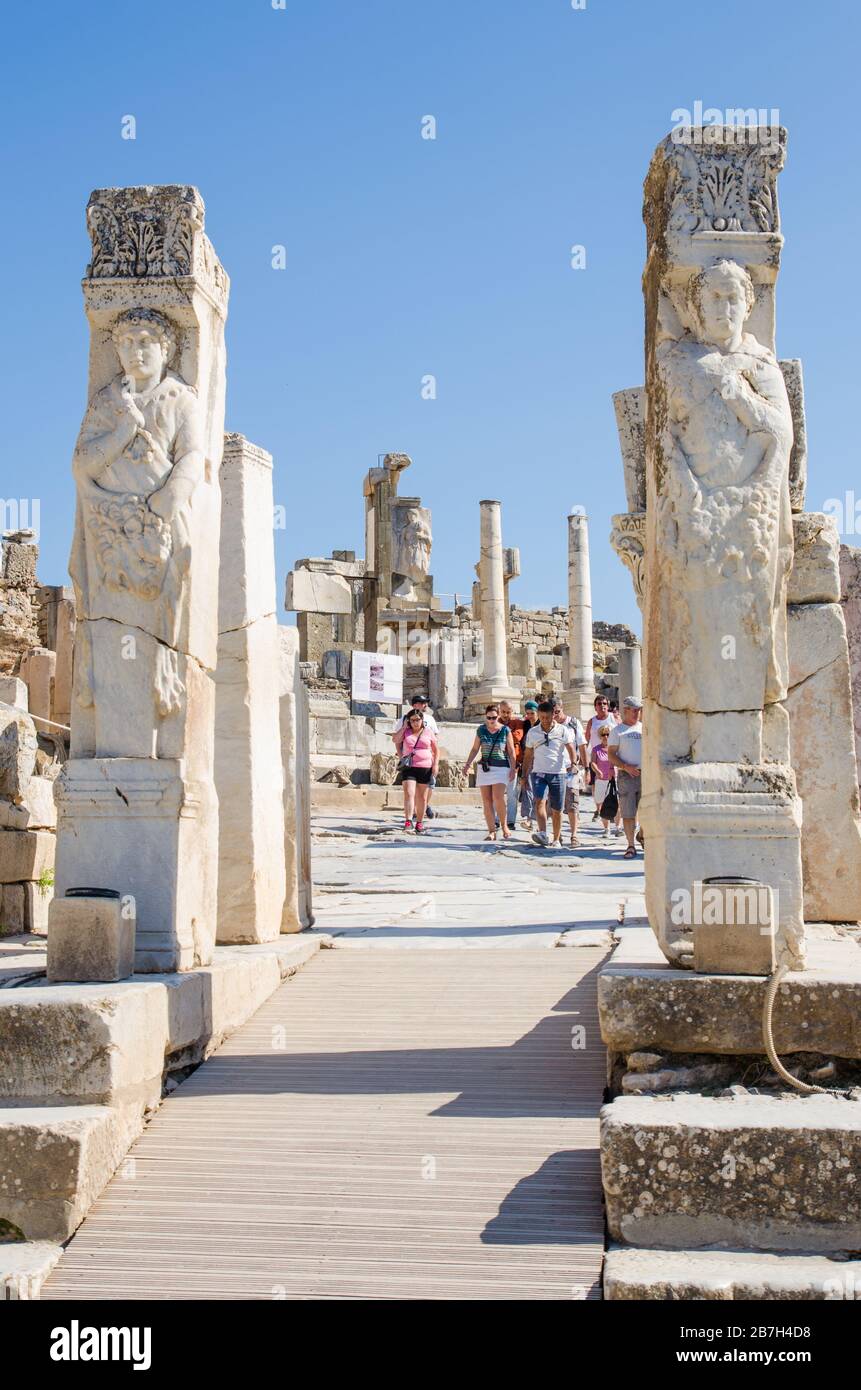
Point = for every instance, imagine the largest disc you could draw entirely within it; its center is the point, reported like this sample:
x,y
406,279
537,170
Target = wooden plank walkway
x,y
393,1124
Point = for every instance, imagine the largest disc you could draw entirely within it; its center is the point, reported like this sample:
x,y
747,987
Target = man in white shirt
x,y
572,780
549,754
420,703
625,750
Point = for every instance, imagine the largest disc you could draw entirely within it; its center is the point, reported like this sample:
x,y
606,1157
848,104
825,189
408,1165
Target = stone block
x,y
761,1172
309,591
36,809
12,909
384,769
18,748
246,589
646,1004
37,669
37,903
822,752
90,938
850,601
54,1162
24,1267
815,574
13,692
25,854
336,665
249,781
684,1276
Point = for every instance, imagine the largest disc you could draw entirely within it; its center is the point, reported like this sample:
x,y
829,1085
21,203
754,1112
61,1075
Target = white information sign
x,y
377,678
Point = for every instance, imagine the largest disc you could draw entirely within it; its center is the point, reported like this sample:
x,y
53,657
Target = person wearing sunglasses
x,y
550,754
494,747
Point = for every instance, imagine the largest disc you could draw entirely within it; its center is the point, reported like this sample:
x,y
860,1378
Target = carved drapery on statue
x,y
723,517
131,551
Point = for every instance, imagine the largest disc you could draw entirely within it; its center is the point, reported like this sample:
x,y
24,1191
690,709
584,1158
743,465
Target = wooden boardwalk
x,y
395,1124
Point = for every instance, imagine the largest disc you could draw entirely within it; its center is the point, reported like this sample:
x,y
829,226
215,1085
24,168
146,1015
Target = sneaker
x,y
408,825
575,843
606,834
539,838
617,830
526,824
512,825
419,827
430,812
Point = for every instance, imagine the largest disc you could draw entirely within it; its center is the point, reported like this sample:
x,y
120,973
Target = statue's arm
x,y
103,438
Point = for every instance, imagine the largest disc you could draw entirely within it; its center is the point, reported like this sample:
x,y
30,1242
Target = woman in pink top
x,y
419,759
602,769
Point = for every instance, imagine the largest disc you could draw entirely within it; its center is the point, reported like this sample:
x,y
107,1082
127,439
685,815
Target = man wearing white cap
x,y
625,749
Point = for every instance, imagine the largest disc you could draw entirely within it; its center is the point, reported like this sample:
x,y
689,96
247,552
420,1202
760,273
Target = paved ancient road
x,y
409,1122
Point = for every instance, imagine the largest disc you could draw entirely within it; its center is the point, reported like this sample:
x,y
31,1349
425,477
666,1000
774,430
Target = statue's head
x,y
145,342
721,297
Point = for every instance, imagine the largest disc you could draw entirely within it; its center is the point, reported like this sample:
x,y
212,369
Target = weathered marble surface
x,y
850,599
248,774
137,804
718,798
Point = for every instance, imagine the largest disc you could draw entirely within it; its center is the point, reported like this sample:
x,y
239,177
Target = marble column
x,y
630,673
494,683
248,777
580,688
137,809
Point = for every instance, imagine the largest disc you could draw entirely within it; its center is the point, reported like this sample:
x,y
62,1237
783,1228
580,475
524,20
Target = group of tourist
x,y
539,762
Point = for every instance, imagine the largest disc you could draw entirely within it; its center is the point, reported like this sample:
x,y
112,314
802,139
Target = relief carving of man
x,y
723,515
138,459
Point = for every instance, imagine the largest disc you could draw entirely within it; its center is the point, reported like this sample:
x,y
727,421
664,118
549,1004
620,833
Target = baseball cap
x,y
416,698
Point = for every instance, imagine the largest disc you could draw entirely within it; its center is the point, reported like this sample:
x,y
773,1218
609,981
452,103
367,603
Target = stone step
x,y
24,1267
54,1162
756,1172
698,1275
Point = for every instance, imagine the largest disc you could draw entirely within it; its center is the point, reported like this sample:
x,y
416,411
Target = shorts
x,y
572,798
551,785
629,789
494,777
421,775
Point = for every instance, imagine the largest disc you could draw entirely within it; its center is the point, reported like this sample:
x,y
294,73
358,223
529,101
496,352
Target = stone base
x,y
141,827
646,1005
485,694
712,820
686,1276
687,1171
90,939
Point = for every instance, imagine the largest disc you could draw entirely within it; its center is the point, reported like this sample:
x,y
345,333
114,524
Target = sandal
x,y
630,852
491,835
419,827
506,834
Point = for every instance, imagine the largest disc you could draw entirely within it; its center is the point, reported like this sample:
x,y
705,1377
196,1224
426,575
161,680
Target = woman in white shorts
x,y
494,747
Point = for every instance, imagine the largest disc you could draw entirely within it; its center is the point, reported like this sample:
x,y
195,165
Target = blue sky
x,y
408,257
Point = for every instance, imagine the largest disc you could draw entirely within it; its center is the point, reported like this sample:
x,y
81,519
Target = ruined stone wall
x,y
18,615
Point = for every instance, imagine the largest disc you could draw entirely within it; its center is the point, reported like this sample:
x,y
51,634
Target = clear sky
x,y
409,257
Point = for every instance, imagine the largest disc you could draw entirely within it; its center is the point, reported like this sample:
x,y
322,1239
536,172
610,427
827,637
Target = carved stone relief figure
x,y
138,459
412,542
724,527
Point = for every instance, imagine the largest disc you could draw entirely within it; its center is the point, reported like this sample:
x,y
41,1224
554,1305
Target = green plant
x,y
45,881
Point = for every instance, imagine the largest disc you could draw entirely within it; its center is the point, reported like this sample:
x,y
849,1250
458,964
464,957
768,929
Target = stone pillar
x,y
719,794
821,735
38,668
296,763
494,683
64,645
445,672
580,691
248,776
630,680
850,600
137,807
